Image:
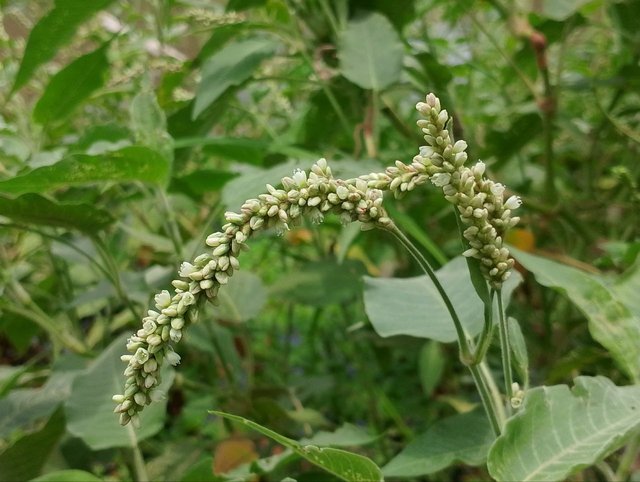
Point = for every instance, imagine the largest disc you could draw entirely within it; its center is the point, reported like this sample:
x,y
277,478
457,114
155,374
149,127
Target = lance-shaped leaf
x,y
344,465
370,52
611,320
128,164
560,431
36,209
462,438
230,66
52,31
73,84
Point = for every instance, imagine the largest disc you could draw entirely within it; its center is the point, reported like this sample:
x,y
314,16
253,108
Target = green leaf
x,y
559,430
347,435
35,209
464,438
230,66
519,349
412,306
52,31
200,182
89,409
23,408
72,85
242,299
320,283
128,164
149,124
561,10
611,322
345,465
431,365
25,458
67,476
371,52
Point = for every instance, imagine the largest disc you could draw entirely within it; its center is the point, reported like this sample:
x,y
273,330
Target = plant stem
x,y
486,397
505,348
487,331
481,376
139,468
628,458
463,340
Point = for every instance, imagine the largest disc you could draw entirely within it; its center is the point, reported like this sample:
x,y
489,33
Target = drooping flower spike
x,y
479,201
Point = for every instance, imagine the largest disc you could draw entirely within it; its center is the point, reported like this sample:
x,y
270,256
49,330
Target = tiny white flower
x,y
513,202
441,179
172,358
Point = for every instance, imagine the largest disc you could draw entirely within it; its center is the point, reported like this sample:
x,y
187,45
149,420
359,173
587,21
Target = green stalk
x,y
505,348
487,330
480,376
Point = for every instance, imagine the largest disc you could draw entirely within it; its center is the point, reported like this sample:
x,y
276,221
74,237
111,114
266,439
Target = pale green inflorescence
x,y
480,202
313,196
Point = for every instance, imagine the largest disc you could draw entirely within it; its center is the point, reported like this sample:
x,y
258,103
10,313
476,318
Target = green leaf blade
x,y
36,209
559,430
89,409
611,321
345,465
412,306
464,438
125,165
72,85
371,52
51,32
231,66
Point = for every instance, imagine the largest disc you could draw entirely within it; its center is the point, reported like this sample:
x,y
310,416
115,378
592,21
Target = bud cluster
x,y
480,201
312,196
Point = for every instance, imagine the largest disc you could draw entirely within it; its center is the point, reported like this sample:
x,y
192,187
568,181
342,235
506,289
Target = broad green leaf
x,y
345,465
559,430
128,164
371,52
52,31
72,85
149,124
89,409
242,299
412,306
320,283
23,408
36,209
611,322
230,66
25,458
431,364
464,438
347,435
67,476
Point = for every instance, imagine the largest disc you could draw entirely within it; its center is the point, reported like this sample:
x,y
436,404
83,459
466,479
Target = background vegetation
x,y
128,128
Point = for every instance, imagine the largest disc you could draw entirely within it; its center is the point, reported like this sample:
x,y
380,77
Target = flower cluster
x,y
480,201
313,196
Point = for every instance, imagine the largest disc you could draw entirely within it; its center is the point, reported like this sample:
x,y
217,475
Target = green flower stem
x,y
505,348
487,331
139,467
463,341
487,398
479,375
628,459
